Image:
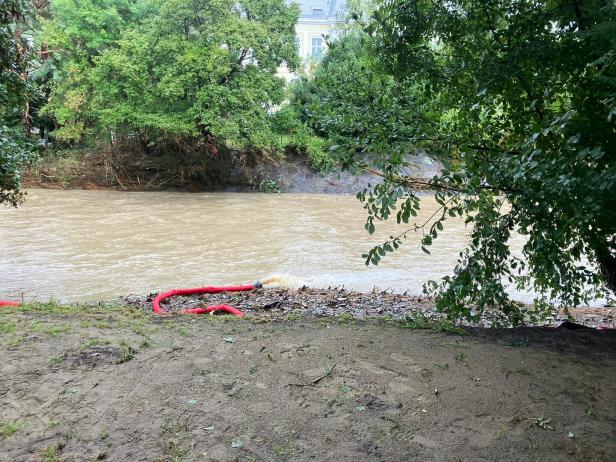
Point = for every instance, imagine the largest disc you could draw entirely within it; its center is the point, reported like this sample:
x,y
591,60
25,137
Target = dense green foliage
x,y
183,68
11,87
14,150
174,80
522,98
356,106
77,32
15,153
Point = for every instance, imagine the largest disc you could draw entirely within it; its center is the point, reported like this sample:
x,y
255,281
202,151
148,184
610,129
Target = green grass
x,y
345,318
9,428
8,336
126,352
183,331
97,317
55,331
6,327
53,307
283,448
13,342
420,321
178,441
52,453
57,360
52,424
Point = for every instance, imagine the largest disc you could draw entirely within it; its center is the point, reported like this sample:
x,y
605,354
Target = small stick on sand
x,y
315,381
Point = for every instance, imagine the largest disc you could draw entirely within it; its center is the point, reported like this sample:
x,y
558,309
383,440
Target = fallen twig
x,y
315,381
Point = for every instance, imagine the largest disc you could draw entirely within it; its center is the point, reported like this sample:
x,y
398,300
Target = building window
x,y
298,44
317,46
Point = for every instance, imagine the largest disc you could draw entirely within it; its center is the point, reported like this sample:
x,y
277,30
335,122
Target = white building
x,y
317,20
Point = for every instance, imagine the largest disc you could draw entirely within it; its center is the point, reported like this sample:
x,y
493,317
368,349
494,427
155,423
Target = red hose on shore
x,y
199,290
203,290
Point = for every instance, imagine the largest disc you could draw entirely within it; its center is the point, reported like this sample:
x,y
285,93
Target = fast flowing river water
x,y
98,245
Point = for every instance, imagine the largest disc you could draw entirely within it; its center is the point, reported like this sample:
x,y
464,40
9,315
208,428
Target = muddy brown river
x,y
98,245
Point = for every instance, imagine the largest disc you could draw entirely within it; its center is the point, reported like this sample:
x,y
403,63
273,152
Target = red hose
x,y
175,292
202,290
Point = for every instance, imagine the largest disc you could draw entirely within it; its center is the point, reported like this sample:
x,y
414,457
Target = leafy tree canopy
x,y
521,97
179,67
14,151
359,108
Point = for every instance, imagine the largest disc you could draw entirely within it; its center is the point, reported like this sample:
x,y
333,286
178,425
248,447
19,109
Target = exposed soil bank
x,y
120,384
227,171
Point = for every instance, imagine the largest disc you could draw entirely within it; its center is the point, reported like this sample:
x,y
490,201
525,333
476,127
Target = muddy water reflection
x,y
95,245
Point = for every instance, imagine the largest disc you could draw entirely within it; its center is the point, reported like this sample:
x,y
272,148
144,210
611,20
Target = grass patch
x,y
55,308
50,307
178,441
126,353
502,432
52,453
10,427
283,448
6,327
52,319
420,321
183,331
52,424
21,326
57,360
94,342
13,341
55,331
345,318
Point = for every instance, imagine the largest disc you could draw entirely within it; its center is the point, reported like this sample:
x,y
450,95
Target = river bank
x,y
348,306
230,171
118,383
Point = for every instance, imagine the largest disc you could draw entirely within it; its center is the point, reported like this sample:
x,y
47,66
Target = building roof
x,y
320,9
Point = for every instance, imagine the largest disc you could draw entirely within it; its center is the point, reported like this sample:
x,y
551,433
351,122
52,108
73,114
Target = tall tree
x,y
521,95
190,68
356,106
14,152
74,35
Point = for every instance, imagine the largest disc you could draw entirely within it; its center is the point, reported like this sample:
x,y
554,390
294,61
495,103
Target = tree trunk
x,y
606,257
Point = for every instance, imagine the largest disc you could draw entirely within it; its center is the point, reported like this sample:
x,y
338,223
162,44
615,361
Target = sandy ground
x,y
120,384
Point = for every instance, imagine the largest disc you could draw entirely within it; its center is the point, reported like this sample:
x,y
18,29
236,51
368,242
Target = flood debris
x,y
278,304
